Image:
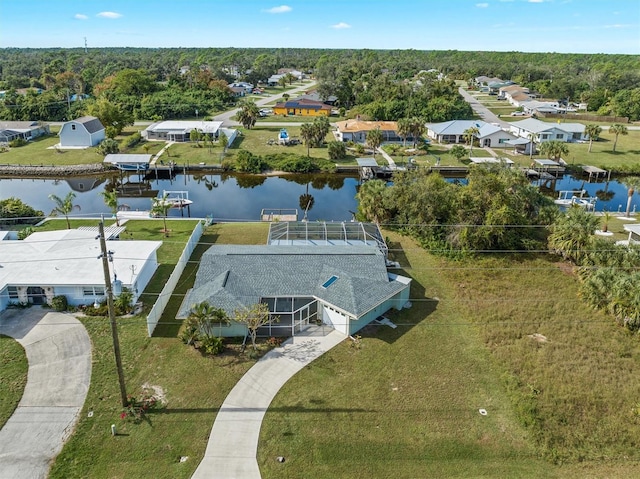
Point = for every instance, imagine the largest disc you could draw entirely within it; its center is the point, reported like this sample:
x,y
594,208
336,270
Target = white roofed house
x,y
85,131
454,132
27,130
546,131
66,262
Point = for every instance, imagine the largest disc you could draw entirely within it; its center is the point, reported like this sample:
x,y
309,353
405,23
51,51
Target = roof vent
x,y
329,282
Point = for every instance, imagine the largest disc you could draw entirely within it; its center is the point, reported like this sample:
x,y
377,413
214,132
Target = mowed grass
x,y
405,404
194,386
13,376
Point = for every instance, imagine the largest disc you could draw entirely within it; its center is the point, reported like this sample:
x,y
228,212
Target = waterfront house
x,y
85,131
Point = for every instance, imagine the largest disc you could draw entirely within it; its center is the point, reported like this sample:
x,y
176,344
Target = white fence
x,y
165,295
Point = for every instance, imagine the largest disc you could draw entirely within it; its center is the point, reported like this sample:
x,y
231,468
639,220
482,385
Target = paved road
x,y
58,349
225,117
482,111
233,443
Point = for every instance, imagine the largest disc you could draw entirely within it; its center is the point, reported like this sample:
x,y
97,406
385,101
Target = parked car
x,y
518,113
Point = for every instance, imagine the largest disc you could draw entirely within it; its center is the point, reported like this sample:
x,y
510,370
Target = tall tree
x,y
404,129
533,139
307,134
64,206
417,129
111,200
248,114
113,116
161,207
593,132
618,129
469,135
374,139
632,183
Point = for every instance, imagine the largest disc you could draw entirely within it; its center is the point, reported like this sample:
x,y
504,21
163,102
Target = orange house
x,y
302,107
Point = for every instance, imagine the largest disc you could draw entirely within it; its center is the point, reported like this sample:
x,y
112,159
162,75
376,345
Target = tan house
x,y
356,130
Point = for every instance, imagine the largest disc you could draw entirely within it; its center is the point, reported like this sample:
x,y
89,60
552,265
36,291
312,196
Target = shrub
x,y
59,303
248,162
108,146
211,345
18,142
132,140
337,150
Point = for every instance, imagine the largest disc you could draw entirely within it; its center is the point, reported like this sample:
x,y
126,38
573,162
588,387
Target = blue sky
x,y
580,26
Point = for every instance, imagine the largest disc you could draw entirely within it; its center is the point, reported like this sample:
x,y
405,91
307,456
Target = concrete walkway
x,y
386,156
58,349
233,443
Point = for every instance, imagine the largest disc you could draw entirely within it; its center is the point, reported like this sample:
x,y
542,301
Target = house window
x,y
73,127
93,291
559,136
13,292
544,136
502,140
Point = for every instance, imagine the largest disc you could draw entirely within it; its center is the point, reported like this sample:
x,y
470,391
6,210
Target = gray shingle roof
x,y
231,276
91,123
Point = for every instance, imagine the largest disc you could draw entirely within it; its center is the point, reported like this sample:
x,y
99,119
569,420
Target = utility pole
x,y
106,256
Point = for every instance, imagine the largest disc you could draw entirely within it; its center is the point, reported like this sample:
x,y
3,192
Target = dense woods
x,y
379,84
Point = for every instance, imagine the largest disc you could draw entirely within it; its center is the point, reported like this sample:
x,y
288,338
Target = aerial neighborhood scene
x,y
336,239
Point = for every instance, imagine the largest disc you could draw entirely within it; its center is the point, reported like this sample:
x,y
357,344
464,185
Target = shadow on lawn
x,y
285,409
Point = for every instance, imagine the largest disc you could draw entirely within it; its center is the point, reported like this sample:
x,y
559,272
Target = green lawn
x,y
13,376
194,386
405,404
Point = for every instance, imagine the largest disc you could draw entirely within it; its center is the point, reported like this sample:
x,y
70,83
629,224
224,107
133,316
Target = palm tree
x,y
404,129
111,200
606,217
205,317
374,139
533,138
632,183
248,114
593,132
160,207
64,206
417,129
618,129
554,149
469,135
307,134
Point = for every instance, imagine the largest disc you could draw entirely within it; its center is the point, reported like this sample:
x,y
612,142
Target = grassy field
x,y
194,386
13,376
405,403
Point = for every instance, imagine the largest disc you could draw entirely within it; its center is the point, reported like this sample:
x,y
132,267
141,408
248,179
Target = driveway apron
x,y
58,349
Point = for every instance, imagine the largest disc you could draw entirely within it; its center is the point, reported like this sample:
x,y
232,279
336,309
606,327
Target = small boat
x,y
176,199
283,137
575,198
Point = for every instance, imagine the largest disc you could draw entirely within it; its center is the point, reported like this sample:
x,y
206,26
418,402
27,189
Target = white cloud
x,y
536,1
80,16
618,25
111,15
280,9
341,26
482,5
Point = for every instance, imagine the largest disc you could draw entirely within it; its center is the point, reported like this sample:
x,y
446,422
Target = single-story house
x,y
180,131
247,87
315,96
356,130
302,107
345,287
295,73
82,132
545,131
65,262
453,132
27,130
237,91
533,107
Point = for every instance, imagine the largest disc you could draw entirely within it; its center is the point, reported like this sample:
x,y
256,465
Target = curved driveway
x,y
58,349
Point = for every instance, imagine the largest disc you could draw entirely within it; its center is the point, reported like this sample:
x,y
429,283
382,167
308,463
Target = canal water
x,y
223,197
226,197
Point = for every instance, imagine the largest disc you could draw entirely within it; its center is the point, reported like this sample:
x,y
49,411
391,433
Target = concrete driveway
x,y
58,349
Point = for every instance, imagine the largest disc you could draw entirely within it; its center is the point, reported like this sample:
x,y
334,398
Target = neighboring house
x,y
313,95
274,79
534,107
302,107
237,91
567,132
345,287
180,131
453,132
27,130
82,132
506,92
247,87
295,73
65,262
356,130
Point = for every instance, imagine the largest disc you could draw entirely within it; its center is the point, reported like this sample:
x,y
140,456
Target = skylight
x,y
329,282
